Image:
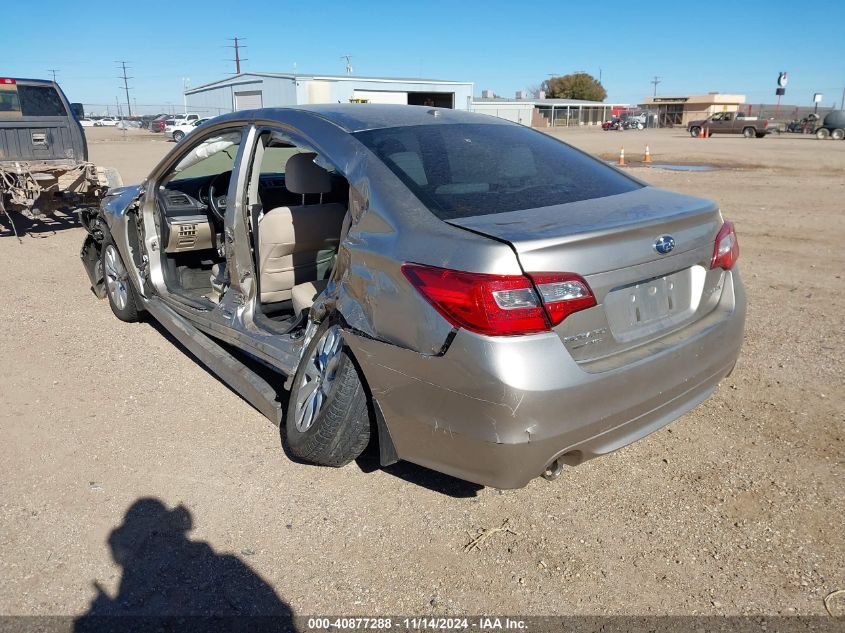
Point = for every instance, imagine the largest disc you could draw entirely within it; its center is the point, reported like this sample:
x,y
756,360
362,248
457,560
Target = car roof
x,y
357,117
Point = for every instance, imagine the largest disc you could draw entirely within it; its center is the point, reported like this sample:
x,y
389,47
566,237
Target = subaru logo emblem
x,y
664,244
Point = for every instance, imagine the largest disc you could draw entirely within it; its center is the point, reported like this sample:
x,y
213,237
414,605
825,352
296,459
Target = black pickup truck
x,y
44,163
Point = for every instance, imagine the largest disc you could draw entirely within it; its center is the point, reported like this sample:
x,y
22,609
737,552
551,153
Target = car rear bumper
x,y
499,411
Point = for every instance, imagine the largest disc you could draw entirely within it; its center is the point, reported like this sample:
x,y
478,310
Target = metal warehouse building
x,y
247,91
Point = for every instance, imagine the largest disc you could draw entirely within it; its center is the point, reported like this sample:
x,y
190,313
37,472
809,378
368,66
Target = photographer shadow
x,y
170,582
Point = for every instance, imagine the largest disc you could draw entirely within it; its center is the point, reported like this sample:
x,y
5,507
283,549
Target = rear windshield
x,y
18,100
461,171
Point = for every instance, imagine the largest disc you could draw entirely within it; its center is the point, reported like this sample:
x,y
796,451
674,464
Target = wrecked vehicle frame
x,y
44,164
496,408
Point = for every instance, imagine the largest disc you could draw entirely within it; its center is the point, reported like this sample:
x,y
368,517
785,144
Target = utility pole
x,y
186,83
125,84
655,81
53,72
237,46
841,103
348,59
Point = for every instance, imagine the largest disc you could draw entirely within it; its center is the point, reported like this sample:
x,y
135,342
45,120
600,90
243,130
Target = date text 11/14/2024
x,y
481,624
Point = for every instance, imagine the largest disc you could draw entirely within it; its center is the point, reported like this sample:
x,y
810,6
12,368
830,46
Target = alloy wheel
x,y
116,278
318,378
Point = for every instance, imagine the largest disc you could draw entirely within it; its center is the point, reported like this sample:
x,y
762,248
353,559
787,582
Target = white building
x,y
247,91
543,112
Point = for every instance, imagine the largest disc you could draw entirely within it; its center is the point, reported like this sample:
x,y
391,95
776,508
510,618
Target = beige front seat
x,y
296,245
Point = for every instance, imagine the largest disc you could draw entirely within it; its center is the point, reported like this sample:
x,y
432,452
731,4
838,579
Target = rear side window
x,y
10,104
461,171
40,101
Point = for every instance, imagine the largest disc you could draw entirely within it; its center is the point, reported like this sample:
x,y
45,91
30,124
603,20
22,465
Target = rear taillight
x,y
7,82
726,249
500,305
563,294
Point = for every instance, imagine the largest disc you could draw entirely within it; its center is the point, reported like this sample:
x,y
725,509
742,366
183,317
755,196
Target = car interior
x,y
297,206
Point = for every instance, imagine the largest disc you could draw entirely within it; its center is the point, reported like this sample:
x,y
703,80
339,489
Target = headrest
x,y
302,175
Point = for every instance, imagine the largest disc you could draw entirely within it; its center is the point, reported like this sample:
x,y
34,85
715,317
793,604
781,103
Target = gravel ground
x,y
736,508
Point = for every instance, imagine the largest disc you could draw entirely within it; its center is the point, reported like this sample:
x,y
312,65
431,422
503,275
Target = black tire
x,y
178,135
822,134
340,430
695,132
124,306
837,134
749,132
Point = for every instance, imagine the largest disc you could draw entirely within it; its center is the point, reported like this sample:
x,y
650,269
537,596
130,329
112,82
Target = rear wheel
x,y
328,419
838,134
695,132
822,133
119,289
749,132
178,135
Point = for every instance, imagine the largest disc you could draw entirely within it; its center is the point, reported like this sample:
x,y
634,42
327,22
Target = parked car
x,y
86,122
106,121
475,296
146,119
187,117
731,123
159,123
178,132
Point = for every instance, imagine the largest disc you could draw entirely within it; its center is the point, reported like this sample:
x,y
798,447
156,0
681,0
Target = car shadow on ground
x,y
368,462
418,475
46,226
170,582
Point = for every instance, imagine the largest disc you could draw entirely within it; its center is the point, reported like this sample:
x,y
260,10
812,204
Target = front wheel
x,y
838,134
749,132
119,289
328,419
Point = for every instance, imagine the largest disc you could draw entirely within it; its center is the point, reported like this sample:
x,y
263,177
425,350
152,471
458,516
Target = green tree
x,y
575,86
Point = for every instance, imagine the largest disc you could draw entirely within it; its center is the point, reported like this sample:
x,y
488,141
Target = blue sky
x,y
733,47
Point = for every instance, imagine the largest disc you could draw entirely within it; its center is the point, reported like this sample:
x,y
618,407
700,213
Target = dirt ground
x,y
736,508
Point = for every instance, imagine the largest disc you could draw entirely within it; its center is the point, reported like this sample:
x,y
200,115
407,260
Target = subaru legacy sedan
x,y
466,293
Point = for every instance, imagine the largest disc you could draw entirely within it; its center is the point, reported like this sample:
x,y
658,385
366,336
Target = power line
x,y
654,82
125,84
53,72
237,46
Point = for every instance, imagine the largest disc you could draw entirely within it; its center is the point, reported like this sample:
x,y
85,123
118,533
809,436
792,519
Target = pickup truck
x,y
730,123
44,163
181,119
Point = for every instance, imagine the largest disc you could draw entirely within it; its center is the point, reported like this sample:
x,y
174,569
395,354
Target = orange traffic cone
x,y
647,155
621,156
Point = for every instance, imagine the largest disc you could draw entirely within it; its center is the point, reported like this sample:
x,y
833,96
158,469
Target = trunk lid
x,y
641,294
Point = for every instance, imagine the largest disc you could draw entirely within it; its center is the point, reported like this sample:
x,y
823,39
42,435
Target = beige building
x,y
678,111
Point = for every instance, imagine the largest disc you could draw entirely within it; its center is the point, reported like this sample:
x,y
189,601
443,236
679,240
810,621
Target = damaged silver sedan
x,y
475,296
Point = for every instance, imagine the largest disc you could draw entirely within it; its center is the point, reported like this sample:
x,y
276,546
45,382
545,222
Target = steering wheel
x,y
217,195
